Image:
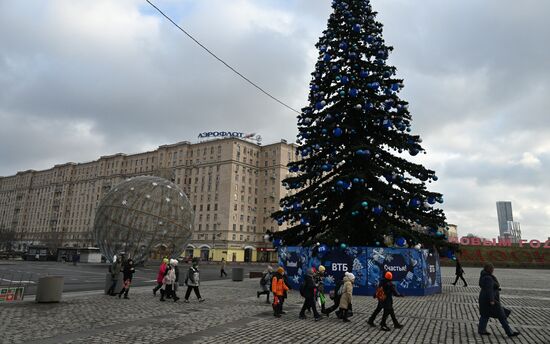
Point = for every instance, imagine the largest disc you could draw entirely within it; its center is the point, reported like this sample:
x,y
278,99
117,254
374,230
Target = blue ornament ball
x,y
343,246
363,74
326,57
395,87
356,180
353,92
364,204
401,241
337,132
340,183
344,80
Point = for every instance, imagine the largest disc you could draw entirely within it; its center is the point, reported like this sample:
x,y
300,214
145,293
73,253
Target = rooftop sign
x,y
207,135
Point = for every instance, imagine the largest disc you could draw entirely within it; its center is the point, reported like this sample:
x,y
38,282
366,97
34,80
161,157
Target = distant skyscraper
x,y
506,225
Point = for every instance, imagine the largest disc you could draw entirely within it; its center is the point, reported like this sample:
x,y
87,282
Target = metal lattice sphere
x,y
142,214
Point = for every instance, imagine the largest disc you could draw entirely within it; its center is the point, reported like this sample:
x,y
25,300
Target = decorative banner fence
x,y
415,272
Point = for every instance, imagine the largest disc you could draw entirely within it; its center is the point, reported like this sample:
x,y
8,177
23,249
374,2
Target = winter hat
x,y
165,260
173,262
280,270
269,268
322,268
388,276
351,276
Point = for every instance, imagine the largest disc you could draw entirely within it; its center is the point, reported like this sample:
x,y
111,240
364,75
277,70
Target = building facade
x,y
507,227
234,185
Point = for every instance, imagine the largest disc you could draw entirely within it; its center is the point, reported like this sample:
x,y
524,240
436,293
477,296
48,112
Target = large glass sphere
x,y
140,215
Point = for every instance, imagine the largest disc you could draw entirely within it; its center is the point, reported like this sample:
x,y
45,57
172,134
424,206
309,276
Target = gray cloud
x,y
81,79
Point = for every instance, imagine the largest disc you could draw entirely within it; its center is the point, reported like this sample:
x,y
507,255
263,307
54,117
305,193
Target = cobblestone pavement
x,y
233,314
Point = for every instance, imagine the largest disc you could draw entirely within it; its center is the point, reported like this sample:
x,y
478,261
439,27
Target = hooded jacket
x,y
278,285
161,273
345,298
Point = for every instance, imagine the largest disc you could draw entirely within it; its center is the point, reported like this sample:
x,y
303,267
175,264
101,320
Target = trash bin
x,y
108,282
49,289
237,274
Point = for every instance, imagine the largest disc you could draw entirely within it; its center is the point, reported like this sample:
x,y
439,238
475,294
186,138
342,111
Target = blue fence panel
x,y
415,272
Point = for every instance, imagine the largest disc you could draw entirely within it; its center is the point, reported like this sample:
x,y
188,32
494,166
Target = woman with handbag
x,y
489,303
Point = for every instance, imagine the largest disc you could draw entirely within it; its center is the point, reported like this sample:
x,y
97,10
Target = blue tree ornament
x,y
344,80
337,132
364,204
353,92
395,87
401,241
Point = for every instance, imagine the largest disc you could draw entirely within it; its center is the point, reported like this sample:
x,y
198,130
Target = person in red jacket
x,y
160,275
278,288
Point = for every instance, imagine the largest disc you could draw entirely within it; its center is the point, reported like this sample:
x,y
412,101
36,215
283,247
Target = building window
x,y
234,227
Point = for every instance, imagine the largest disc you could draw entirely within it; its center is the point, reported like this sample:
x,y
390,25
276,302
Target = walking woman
x,y
459,273
489,303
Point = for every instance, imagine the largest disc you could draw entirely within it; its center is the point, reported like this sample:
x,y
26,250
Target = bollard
x,y
237,274
49,289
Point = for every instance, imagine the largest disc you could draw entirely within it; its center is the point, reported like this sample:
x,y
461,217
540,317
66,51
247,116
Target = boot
x,y
345,315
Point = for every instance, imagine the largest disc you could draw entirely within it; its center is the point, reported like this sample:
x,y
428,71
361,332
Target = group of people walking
x,y
168,280
312,290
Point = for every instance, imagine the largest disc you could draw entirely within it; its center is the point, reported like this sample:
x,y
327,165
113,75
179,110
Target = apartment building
x,y
233,184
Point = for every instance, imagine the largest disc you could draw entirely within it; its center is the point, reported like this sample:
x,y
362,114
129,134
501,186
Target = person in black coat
x,y
489,302
128,271
308,292
459,273
385,302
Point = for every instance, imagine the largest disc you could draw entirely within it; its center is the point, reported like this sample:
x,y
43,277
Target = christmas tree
x,y
353,183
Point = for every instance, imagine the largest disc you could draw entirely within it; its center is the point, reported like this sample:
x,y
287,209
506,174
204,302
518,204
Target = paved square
x,y
233,314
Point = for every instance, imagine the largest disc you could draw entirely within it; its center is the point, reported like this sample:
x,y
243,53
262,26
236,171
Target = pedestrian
x,y
193,281
335,296
128,271
222,269
384,293
345,298
114,270
459,273
320,285
307,291
75,259
489,302
278,288
160,275
169,281
265,283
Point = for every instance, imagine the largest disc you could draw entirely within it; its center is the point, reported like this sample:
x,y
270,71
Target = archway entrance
x,y
205,253
248,255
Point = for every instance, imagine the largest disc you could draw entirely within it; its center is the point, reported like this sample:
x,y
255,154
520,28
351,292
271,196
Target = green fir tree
x,y
353,183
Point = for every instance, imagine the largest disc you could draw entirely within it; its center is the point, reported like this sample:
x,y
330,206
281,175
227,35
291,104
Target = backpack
x,y
264,279
341,289
303,289
380,294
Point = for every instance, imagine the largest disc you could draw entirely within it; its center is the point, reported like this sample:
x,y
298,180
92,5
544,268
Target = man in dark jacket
x,y
459,273
308,292
385,302
489,302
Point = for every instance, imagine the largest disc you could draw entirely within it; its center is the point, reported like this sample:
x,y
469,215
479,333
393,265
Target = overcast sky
x,y
80,79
